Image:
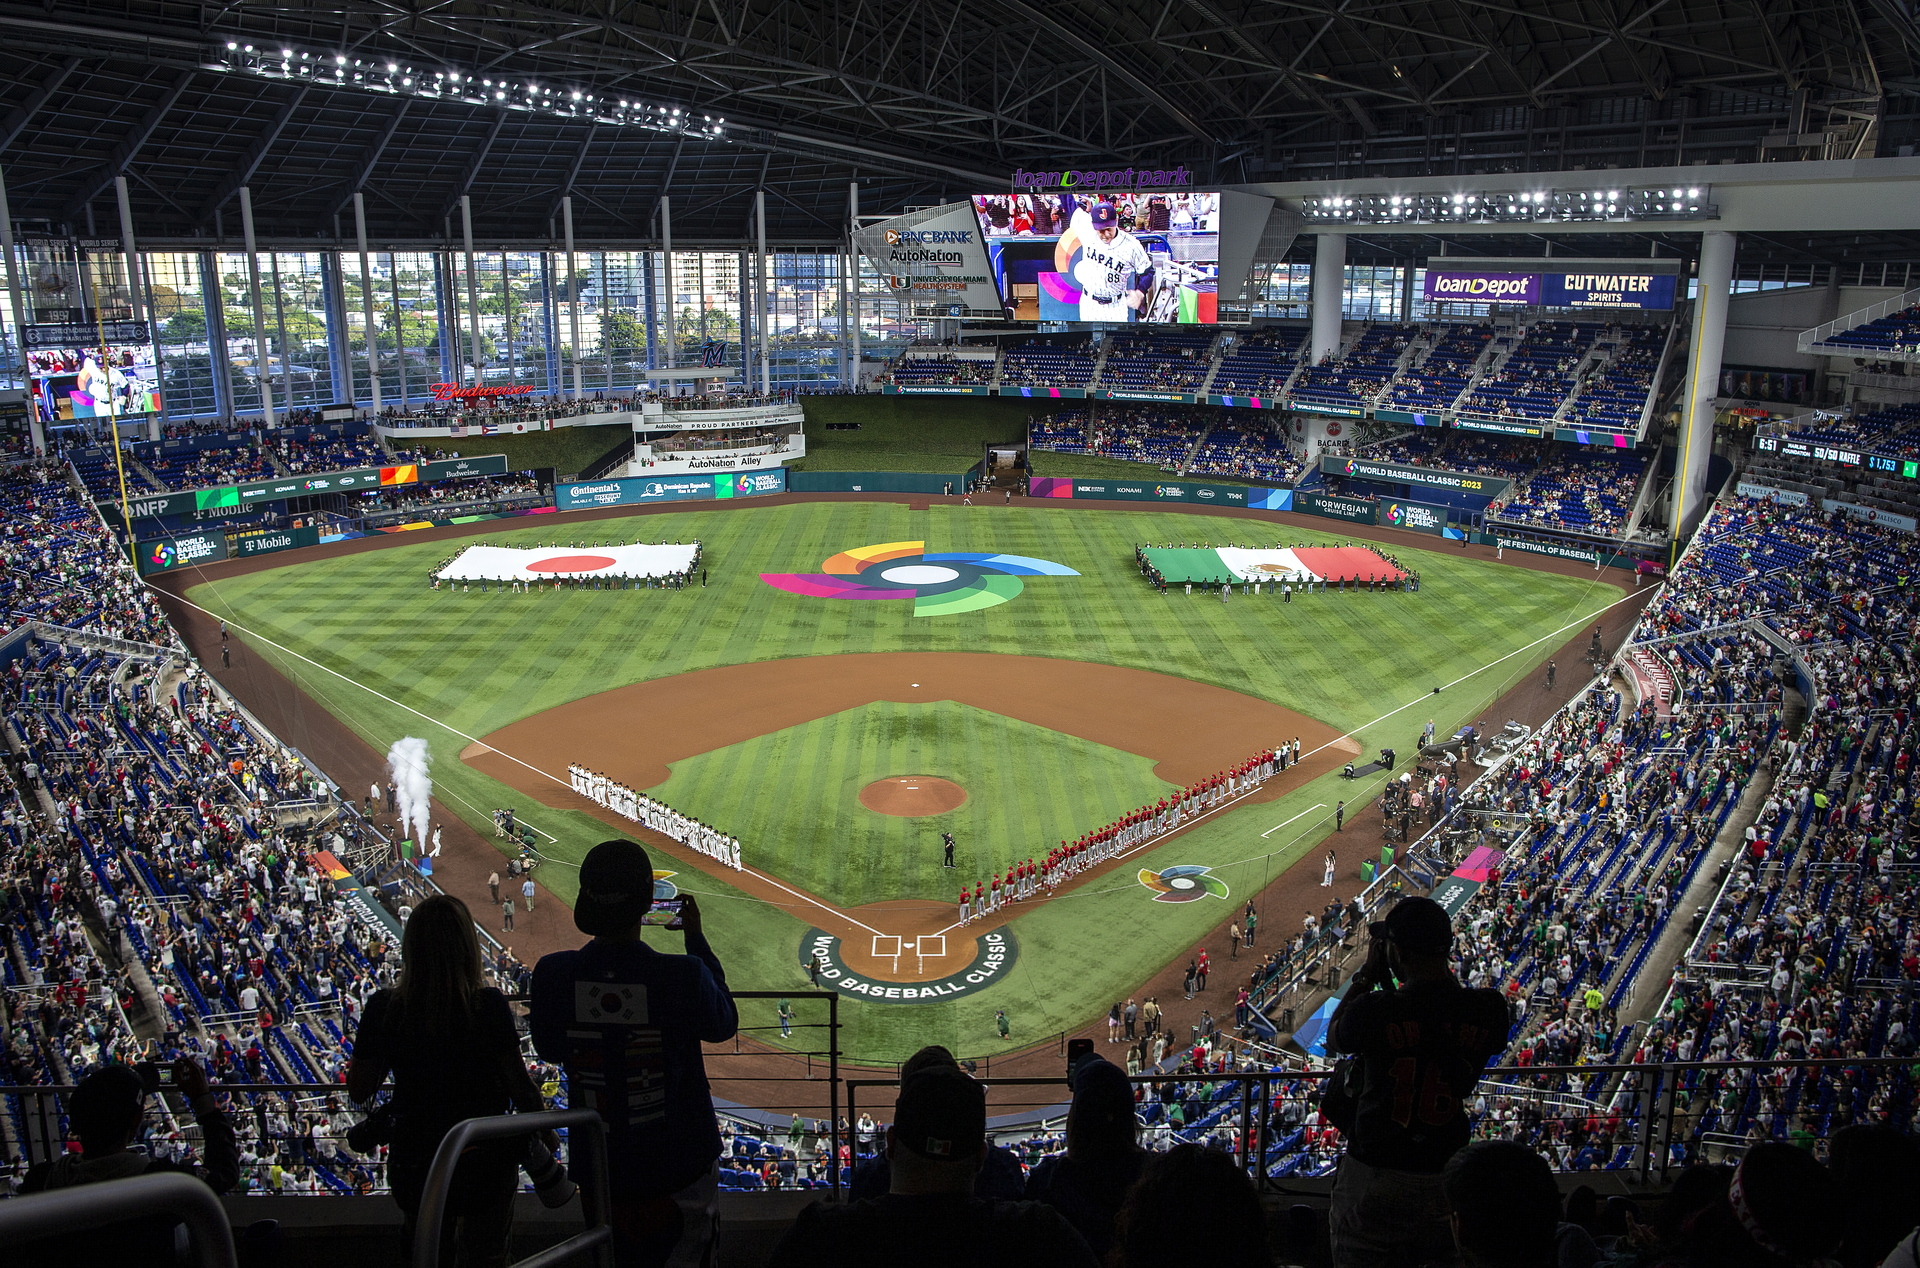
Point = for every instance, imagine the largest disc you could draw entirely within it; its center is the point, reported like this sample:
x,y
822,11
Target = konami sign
x,y
454,392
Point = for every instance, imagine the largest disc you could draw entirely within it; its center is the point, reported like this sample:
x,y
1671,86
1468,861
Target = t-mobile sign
x,y
1482,288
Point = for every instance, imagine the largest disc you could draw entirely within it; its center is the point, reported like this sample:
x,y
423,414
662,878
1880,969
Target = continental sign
x,y
1394,473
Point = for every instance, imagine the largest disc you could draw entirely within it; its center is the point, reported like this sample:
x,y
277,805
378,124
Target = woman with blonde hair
x,y
449,1042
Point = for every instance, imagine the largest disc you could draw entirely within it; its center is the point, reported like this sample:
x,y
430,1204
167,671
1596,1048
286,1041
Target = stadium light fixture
x,y
340,70
1513,206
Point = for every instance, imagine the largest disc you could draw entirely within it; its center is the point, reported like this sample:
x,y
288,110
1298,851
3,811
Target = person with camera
x,y
1416,1042
106,1112
626,1022
450,1045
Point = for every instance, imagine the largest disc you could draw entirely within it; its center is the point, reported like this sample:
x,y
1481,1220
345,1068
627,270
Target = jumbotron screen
x,y
70,384
1111,257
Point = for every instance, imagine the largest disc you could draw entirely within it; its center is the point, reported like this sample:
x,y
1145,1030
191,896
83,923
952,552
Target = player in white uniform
x,y
1113,271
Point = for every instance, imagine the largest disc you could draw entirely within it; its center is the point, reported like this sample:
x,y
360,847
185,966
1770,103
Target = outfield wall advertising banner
x,y
1145,491
1394,473
1767,492
359,478
1500,426
640,490
934,389
1416,517
276,540
1353,510
165,554
1584,554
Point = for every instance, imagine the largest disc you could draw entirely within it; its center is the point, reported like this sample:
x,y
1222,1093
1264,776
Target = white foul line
x,y
1318,805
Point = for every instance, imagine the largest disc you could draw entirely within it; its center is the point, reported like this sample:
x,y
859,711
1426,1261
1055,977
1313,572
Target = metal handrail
x,y
596,1239
64,1212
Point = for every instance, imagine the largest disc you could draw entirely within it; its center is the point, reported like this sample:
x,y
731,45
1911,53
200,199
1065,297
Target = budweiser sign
x,y
454,392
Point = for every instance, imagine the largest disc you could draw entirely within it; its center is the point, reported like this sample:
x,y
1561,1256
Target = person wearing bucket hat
x,y
626,1022
930,1216
1418,1041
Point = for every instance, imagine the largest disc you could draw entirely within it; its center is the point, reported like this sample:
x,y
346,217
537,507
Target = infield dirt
x,y
1192,730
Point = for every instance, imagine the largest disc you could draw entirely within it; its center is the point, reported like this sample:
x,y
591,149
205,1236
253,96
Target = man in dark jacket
x,y
627,1022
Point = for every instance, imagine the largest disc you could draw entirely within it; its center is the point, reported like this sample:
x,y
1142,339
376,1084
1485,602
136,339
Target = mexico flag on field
x,y
544,563
1299,564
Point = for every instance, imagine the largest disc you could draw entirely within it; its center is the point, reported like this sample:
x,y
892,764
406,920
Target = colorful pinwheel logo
x,y
1183,884
162,556
939,585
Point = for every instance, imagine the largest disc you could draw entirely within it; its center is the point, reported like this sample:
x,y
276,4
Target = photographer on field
x,y
1416,1042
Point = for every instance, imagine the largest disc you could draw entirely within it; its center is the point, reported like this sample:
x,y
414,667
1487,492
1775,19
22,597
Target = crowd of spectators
x,y
1535,375
1585,490
1351,381
911,368
1614,395
1258,363
320,452
1435,383
1047,362
1166,360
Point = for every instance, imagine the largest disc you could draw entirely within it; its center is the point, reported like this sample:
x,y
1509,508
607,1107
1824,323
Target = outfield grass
x,y
479,661
1026,786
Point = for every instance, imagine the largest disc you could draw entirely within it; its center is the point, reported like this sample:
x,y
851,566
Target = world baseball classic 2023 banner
x,y
638,490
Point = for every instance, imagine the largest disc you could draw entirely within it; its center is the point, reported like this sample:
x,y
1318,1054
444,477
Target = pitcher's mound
x,y
910,796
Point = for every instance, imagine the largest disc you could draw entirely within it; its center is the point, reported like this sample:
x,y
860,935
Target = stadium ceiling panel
x,y
920,100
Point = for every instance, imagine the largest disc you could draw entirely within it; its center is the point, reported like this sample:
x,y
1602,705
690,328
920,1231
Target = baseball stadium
x,y
852,656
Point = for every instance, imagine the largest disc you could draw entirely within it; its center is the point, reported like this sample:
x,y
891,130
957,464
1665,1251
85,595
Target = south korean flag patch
x,y
610,1003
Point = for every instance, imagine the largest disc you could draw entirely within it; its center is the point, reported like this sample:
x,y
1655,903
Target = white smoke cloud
x,y
407,763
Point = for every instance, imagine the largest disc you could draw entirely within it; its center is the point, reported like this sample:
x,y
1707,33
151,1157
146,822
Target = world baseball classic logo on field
x,y
939,585
1186,883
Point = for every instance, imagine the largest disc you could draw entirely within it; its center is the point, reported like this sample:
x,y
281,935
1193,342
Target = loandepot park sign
x,y
993,957
1112,178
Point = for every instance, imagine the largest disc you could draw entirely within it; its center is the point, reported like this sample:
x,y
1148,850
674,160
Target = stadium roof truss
x,y
920,100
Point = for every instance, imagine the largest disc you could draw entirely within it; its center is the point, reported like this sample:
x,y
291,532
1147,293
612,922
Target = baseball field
x,y
838,739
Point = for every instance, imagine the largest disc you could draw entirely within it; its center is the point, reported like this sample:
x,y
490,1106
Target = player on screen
x,y
1108,264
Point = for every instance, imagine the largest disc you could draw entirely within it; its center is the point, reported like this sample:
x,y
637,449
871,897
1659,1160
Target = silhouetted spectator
x,y
1188,1198
1781,1210
105,1113
1504,1206
930,1218
450,1045
1420,1049
627,1022
999,1175
1088,1183
1878,1170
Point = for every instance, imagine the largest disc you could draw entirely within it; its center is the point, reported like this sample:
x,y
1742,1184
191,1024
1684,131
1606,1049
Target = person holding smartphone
x,y
626,1022
1420,1040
